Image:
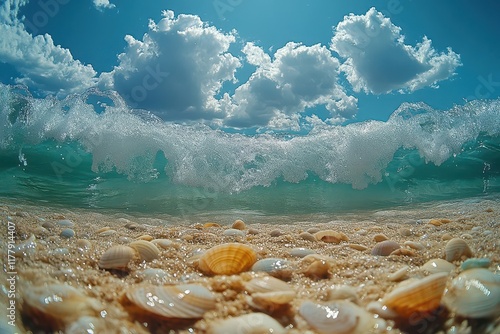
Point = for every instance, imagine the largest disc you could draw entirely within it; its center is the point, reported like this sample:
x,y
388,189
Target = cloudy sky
x,y
259,64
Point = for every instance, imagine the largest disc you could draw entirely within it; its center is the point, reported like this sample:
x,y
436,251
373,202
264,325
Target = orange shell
x,y
227,259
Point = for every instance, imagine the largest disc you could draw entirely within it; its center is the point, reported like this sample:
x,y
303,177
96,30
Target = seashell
x,y
403,251
343,292
253,231
210,224
301,252
331,236
312,230
276,267
145,237
227,259
339,316
385,248
116,257
239,224
54,306
438,266
163,243
271,301
107,233
147,250
65,223
358,247
307,236
421,295
67,233
234,232
455,249
398,275
83,244
276,233
476,263
414,245
28,247
49,225
317,269
405,232
475,293
380,237
446,236
184,301
266,284
251,323
103,229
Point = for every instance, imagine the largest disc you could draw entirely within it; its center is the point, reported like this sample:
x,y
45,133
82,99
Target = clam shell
x,y
276,267
147,250
116,257
184,301
455,249
385,248
421,295
266,284
343,292
339,317
227,259
271,301
252,323
56,305
239,224
331,236
438,266
475,293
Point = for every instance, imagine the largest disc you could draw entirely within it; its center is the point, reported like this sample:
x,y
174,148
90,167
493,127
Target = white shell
x,y
252,323
336,317
147,250
456,249
56,305
266,284
184,301
116,257
438,266
475,293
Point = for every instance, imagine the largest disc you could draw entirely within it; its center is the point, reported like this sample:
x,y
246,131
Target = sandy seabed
x,y
39,253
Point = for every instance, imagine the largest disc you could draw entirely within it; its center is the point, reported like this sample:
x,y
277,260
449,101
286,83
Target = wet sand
x,y
45,259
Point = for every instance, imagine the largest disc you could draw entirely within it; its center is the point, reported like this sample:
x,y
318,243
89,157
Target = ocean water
x,y
91,151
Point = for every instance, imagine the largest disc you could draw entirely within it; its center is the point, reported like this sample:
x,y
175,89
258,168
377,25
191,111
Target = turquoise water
x,y
78,152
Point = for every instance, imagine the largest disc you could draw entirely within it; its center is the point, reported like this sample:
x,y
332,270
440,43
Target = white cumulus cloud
x,y
279,90
103,4
377,60
44,66
176,70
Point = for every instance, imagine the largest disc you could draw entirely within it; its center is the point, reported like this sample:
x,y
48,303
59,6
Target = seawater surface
x,y
78,153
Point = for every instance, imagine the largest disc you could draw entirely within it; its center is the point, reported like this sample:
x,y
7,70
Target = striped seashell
x,y
227,259
251,323
147,250
456,249
385,248
339,316
475,293
116,257
184,301
163,243
266,284
54,306
417,296
331,236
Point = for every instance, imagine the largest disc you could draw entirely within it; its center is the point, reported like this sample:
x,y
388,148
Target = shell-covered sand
x,y
49,254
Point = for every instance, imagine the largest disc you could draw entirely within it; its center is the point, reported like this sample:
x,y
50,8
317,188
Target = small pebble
x,y
48,225
405,232
301,252
253,231
313,230
65,223
276,233
107,233
380,237
239,224
67,233
234,232
307,236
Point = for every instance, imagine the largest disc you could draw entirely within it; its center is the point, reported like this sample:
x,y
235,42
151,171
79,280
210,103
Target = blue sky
x,y
283,64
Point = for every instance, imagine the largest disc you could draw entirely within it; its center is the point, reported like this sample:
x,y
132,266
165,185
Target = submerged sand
x,y
49,258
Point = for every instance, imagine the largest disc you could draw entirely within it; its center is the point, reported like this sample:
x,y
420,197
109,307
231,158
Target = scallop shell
x,y
247,324
438,266
385,248
147,250
475,293
339,317
421,295
116,257
227,259
331,236
55,306
455,249
184,301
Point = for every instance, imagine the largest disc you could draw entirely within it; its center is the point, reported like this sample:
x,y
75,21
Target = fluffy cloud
x,y
378,61
298,78
177,69
44,66
103,4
